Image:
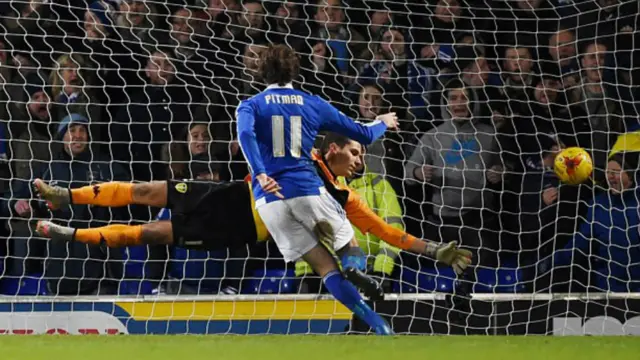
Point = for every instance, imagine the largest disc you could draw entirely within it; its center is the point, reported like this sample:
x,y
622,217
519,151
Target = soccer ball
x,y
573,165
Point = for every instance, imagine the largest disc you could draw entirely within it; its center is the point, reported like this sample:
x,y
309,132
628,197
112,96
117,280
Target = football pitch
x,y
316,347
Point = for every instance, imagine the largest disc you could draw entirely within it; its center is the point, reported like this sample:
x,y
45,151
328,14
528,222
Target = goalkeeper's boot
x,y
371,288
53,231
55,196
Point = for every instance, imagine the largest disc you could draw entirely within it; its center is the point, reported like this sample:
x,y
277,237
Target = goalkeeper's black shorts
x,y
210,216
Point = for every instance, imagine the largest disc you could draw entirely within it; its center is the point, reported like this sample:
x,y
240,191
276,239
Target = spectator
x,y
10,92
246,83
39,28
404,81
286,26
604,18
439,29
379,17
252,22
196,140
597,112
115,63
540,116
135,20
518,72
319,72
142,127
331,25
30,129
192,53
458,159
520,17
608,235
562,49
72,92
472,67
74,268
220,12
379,196
23,63
29,149
534,202
383,156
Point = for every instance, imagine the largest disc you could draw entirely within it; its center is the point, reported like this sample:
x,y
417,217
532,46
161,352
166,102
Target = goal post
x,y
487,93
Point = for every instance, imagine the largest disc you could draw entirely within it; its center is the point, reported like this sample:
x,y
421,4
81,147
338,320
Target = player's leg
x,y
324,264
114,236
111,194
296,239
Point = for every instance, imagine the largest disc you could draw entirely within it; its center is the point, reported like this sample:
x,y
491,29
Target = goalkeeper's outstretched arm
x,y
362,217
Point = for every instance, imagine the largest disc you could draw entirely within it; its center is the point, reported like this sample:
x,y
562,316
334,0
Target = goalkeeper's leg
x,y
109,194
114,236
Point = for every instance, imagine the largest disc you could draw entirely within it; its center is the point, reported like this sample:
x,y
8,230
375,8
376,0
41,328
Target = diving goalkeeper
x,y
212,216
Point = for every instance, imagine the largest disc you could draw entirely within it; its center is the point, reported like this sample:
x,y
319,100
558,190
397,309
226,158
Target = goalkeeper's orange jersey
x,y
358,213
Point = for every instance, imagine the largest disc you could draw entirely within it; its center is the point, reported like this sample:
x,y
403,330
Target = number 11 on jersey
x,y
277,128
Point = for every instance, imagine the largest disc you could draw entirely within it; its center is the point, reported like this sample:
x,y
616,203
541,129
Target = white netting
x,y
486,92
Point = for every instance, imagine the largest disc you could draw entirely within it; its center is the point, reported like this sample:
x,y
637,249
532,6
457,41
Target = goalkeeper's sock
x,y
113,235
354,258
111,194
347,294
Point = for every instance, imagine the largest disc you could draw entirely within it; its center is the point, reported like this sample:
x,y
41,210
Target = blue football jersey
x,y
277,129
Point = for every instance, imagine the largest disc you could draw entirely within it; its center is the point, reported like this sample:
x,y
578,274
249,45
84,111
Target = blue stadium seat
x,y
134,282
507,279
199,269
501,280
273,282
30,285
427,279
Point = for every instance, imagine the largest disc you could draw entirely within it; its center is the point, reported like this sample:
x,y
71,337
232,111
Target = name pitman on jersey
x,y
284,99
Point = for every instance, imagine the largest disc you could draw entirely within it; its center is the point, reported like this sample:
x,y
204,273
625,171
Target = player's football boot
x,y
55,196
371,288
54,231
384,329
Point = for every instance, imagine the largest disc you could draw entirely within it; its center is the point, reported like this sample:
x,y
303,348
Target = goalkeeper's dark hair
x,y
333,138
279,64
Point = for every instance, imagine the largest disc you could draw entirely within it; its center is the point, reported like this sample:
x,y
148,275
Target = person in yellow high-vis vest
x,y
378,194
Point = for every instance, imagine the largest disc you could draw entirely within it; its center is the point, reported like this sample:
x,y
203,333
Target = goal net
x,y
487,93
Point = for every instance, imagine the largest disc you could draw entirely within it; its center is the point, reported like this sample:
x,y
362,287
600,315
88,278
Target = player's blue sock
x,y
347,294
354,258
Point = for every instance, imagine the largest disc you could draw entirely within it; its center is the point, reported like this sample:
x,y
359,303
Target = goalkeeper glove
x,y
450,254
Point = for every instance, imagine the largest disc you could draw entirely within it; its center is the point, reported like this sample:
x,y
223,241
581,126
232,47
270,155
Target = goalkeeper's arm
x,y
368,222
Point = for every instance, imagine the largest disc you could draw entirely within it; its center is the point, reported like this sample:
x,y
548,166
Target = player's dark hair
x,y
279,64
333,138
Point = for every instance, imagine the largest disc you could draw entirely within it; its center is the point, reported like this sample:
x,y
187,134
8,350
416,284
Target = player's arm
x,y
245,118
368,222
335,121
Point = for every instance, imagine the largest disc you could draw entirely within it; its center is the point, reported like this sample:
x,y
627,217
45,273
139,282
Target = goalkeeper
x,y
211,216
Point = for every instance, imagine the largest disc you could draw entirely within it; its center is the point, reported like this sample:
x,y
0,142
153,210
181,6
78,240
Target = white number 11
x,y
277,129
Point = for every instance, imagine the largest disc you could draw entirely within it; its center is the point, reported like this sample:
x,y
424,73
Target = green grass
x,y
316,347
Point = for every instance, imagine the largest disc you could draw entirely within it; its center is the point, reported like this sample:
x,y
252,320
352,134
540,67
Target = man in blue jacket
x,y
610,236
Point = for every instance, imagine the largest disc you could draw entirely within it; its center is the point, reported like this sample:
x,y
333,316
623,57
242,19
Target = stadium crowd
x,y
487,93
